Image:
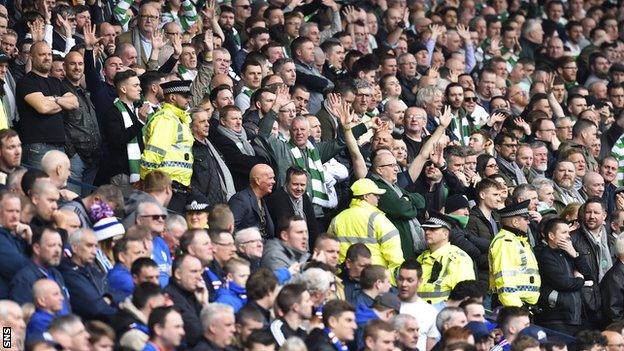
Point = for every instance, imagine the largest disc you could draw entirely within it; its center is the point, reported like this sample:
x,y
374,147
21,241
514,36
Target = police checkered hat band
x,y
196,206
437,220
519,209
177,87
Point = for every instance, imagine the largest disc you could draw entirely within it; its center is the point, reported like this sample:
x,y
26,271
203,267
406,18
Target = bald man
x,y
57,166
45,196
81,125
48,300
249,206
41,103
11,316
593,185
221,79
615,340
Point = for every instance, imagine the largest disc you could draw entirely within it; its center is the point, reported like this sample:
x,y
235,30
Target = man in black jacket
x,y
218,325
211,178
563,272
189,294
340,326
612,286
292,199
591,241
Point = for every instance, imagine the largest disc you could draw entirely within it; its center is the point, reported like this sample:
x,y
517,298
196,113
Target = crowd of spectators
x,y
312,175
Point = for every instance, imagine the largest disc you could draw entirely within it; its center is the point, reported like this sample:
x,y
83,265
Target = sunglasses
x,y
156,217
470,99
245,7
429,164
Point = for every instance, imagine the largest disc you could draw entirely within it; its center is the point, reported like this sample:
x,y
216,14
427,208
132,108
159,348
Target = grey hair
x,y
211,313
619,245
77,236
64,324
445,315
399,321
305,27
542,182
5,308
362,84
239,235
141,207
403,56
315,279
293,344
174,220
538,144
529,25
426,95
195,110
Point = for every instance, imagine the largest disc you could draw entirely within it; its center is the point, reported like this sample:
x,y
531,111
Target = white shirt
x,y
426,315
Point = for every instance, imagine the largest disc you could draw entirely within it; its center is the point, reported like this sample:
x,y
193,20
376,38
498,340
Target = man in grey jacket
x,y
290,246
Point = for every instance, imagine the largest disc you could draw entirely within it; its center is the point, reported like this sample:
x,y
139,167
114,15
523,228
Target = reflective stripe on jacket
x,y
514,274
442,270
364,223
168,146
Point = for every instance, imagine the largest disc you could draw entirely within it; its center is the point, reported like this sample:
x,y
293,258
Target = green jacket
x,y
400,210
281,150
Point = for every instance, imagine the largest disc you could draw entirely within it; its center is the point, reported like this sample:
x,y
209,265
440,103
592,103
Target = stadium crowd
x,y
322,175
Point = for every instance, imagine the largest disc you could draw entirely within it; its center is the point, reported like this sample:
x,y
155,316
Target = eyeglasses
x,y
172,33
245,7
156,216
150,18
393,165
429,164
571,68
546,130
565,127
470,99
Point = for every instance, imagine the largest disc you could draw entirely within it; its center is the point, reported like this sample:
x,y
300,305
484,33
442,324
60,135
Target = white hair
x,y
242,235
316,279
174,220
213,312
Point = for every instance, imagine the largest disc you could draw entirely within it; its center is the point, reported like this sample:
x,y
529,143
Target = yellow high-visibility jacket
x,y
453,266
168,146
514,274
365,223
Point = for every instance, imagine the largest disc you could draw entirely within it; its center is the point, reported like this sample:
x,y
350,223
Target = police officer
x,y
169,141
444,265
514,274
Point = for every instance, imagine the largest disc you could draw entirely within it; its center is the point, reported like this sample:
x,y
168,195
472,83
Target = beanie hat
x,y
107,228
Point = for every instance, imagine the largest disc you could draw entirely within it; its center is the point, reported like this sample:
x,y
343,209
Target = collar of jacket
x,y
131,309
437,254
291,252
515,231
180,113
363,204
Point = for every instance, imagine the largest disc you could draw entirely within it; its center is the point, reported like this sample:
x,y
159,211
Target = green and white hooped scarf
x,y
314,166
134,151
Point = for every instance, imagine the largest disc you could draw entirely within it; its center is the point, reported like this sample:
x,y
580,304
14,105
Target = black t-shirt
x,y
34,126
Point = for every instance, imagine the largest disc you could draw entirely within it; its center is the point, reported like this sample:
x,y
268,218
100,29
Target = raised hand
x,y
446,116
209,10
176,42
464,33
520,122
282,97
66,24
331,4
437,154
350,15
208,40
89,37
433,71
158,40
334,100
345,113
436,31
37,30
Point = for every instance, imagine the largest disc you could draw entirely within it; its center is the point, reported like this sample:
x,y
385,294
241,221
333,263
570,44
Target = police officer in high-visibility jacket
x,y
364,223
514,274
444,265
169,142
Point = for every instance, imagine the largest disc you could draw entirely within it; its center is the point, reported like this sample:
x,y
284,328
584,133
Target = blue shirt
x,y
120,281
162,257
38,324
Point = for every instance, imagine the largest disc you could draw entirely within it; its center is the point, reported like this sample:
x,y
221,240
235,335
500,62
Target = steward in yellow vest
x,y
444,265
514,274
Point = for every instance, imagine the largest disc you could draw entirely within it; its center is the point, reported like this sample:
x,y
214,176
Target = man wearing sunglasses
x,y
514,274
153,216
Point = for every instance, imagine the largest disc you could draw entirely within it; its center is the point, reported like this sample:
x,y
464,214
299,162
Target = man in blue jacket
x,y
48,299
46,256
153,217
13,247
90,297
